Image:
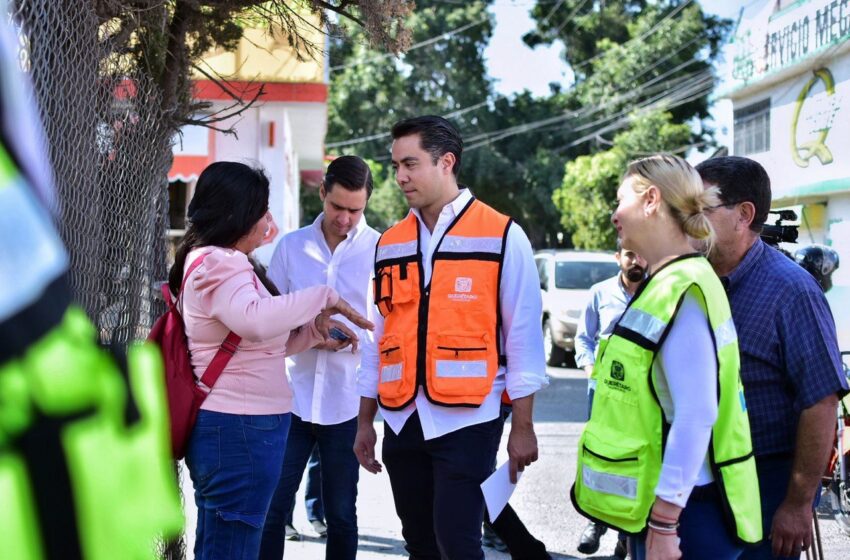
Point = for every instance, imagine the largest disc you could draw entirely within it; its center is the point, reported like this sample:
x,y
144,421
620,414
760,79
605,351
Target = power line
x,y
570,17
641,37
488,138
380,135
492,136
623,120
425,43
696,79
632,92
552,11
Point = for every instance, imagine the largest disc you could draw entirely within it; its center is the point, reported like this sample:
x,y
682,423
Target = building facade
x,y
789,82
283,131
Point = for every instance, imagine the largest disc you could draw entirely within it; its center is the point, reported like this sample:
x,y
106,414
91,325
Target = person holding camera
x,y
336,250
790,363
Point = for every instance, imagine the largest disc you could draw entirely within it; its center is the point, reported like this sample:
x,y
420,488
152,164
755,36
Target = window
x,y
541,272
752,128
177,205
572,275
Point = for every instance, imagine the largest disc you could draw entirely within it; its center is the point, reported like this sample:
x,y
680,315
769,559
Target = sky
x,y
515,67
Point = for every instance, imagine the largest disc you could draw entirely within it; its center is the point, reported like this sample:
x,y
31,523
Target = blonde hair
x,y
681,189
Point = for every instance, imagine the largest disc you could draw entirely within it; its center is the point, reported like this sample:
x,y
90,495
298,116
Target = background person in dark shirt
x,y
790,363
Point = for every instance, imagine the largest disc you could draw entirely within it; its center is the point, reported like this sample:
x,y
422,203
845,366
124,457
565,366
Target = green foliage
x,y
310,203
369,94
369,91
386,206
586,197
581,23
588,194
645,70
651,133
627,55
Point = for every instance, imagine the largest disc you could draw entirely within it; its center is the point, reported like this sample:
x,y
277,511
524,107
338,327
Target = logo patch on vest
x,y
618,372
463,287
616,379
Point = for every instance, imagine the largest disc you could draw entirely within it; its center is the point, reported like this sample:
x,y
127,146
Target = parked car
x,y
565,280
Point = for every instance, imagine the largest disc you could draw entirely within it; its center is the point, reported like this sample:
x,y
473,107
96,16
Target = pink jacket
x,y
223,294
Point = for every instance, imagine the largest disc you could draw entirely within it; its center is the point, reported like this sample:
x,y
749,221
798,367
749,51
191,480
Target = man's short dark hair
x,y
350,172
437,136
739,179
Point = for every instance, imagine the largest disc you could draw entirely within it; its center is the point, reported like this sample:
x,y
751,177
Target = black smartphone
x,y
337,334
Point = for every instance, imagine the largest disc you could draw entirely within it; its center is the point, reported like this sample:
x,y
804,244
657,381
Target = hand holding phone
x,y
337,334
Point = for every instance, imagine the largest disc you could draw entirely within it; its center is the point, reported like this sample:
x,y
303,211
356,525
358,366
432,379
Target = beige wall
x,y
265,56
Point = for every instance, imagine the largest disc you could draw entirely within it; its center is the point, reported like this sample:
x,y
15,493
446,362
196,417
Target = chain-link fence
x,y
109,145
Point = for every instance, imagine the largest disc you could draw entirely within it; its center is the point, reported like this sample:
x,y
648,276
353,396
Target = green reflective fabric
x,y
122,477
620,450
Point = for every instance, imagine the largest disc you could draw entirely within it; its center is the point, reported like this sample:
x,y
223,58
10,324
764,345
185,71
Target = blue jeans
x,y
313,491
340,474
234,462
437,487
702,529
774,474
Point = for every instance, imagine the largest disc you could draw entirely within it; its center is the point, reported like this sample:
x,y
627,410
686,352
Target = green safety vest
x,y
66,431
622,447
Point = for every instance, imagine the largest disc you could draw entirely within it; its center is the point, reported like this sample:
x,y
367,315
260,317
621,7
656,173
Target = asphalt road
x,y
541,499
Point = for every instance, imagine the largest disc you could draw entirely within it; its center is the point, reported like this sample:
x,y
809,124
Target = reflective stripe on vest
x,y
444,336
621,448
651,328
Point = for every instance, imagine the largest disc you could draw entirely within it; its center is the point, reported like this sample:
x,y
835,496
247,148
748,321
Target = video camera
x,y
778,233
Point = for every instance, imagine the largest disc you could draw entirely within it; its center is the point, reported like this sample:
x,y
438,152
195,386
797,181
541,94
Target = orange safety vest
x,y
444,336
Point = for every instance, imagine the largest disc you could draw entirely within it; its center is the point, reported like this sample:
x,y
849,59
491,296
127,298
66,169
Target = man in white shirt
x,y
608,301
337,251
457,324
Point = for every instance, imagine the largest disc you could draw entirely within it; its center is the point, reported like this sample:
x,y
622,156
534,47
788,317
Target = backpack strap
x,y
227,349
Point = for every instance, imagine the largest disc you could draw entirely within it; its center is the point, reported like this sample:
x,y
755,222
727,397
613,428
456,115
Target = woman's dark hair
x,y
230,198
350,172
437,136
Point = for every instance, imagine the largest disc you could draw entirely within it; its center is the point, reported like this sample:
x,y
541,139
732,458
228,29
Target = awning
x,y
187,168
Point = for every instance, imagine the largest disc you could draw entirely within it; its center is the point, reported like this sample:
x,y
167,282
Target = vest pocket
x,y
610,474
461,364
404,282
739,482
391,367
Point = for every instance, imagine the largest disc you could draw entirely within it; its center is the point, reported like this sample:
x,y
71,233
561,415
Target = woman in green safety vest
x,y
666,455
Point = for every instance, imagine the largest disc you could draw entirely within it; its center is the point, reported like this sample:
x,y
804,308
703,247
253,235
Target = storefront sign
x,y
822,118
768,41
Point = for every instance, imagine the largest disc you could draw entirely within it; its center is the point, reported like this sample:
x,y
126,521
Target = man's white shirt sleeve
x,y
522,310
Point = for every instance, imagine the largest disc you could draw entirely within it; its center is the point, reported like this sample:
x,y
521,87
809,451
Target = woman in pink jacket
x,y
235,452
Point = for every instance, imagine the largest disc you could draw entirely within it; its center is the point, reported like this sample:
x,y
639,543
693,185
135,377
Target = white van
x,y
565,280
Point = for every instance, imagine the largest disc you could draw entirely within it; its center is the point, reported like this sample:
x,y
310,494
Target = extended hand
x,y
792,529
324,324
522,449
364,448
344,308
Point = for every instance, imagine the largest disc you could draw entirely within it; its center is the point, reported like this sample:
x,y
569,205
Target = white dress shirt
x,y
521,335
324,382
